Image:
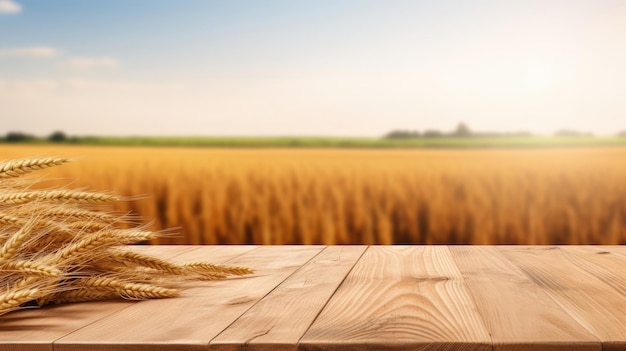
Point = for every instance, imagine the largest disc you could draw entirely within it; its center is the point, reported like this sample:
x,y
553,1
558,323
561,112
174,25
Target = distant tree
x,y
622,133
432,134
57,137
462,130
16,137
402,134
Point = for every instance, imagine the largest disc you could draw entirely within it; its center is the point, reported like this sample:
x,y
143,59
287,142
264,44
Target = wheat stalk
x,y
53,249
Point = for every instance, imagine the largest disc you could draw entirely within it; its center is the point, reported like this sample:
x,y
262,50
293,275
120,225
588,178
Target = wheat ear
x,y
65,212
128,289
52,226
100,240
12,299
31,268
205,271
14,243
83,294
145,261
6,218
208,267
56,195
16,168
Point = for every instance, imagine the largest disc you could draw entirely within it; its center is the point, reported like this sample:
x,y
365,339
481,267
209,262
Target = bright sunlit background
x,y
350,68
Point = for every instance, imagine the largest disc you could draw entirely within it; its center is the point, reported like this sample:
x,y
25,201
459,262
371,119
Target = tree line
x,y
463,131
17,137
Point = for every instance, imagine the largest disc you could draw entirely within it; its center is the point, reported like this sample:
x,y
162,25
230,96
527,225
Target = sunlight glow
x,y
348,68
540,78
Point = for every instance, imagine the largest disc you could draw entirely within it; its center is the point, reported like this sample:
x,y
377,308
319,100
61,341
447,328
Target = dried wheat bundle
x,y
57,246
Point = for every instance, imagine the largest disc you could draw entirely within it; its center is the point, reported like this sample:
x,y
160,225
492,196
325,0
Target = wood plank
x,y
36,329
519,315
211,254
613,260
603,263
574,285
401,298
189,322
618,250
280,319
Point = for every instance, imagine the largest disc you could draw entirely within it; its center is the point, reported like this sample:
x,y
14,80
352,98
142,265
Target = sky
x,y
311,67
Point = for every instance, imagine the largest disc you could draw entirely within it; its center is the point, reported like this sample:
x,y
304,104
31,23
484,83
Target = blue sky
x,y
354,68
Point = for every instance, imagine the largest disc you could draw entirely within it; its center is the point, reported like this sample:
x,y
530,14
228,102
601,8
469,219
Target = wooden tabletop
x,y
358,297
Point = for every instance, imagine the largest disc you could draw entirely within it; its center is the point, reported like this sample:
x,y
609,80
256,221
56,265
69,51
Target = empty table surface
x,y
358,297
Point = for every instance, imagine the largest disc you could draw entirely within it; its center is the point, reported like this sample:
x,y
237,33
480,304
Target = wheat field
x,y
358,196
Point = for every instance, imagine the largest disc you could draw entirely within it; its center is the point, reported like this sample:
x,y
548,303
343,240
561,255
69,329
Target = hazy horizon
x,y
311,68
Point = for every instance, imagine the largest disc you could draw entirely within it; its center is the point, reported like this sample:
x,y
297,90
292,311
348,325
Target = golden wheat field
x,y
343,196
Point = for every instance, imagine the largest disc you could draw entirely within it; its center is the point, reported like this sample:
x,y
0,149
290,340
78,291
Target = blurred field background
x,y
359,196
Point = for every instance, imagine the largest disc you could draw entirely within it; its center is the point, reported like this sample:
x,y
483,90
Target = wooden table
x,y
359,297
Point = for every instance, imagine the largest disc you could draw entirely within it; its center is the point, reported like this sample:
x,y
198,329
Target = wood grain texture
x,y
280,319
401,298
189,322
519,315
580,287
617,250
36,329
379,297
606,265
212,254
